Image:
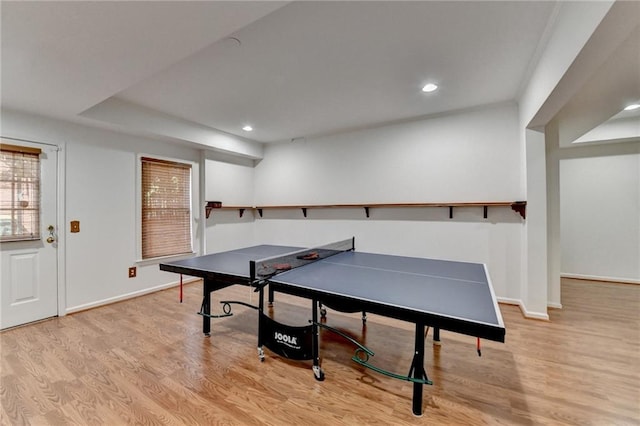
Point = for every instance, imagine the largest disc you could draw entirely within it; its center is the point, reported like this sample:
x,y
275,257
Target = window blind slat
x,y
166,208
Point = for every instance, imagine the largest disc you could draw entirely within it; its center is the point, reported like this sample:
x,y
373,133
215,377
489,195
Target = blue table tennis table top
x,y
435,288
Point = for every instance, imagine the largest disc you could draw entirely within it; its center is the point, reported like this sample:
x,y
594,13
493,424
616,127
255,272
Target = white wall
x,y
552,155
534,235
100,190
541,98
600,217
229,180
469,156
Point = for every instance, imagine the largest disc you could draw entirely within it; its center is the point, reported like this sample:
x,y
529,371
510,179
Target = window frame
x,y
17,147
193,207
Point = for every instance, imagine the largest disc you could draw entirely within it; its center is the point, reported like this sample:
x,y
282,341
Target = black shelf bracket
x,y
520,207
210,206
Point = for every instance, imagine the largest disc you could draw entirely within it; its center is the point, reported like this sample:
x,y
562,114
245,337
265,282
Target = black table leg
x,y
315,343
261,330
206,308
271,295
417,369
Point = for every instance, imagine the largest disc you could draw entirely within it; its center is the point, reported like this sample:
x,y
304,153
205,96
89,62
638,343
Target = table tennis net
x,y
266,268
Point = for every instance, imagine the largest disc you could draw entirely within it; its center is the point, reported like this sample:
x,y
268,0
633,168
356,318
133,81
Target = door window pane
x,y
19,193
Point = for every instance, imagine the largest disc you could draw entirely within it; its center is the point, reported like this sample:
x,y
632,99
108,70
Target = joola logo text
x,y
284,338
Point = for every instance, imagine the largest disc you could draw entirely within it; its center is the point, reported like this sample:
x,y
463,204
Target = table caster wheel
x,y
318,373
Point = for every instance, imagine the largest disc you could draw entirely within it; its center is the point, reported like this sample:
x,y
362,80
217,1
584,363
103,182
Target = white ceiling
x,y
61,58
291,69
313,68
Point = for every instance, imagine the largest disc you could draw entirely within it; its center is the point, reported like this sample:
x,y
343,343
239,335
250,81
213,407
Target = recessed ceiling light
x,y
430,87
632,107
247,128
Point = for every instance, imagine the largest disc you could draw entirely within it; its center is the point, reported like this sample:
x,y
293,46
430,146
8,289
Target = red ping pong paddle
x,y
309,256
282,266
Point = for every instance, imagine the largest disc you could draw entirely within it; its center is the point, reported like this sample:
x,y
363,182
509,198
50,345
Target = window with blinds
x,y
166,208
19,193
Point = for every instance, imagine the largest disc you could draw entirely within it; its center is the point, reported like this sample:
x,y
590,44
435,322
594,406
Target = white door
x,y
29,270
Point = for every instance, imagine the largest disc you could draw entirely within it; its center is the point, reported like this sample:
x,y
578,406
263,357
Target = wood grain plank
x,y
145,361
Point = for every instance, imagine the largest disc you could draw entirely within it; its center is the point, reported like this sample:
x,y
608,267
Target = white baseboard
x,y
534,315
601,278
127,296
526,313
509,301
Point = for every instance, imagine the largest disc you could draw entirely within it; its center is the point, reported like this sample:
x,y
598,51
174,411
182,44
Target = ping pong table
x,y
439,294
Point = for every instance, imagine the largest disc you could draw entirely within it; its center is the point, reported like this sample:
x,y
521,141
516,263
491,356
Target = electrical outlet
x,y
132,272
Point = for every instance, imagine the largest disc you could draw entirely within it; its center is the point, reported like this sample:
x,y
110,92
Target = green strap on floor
x,y
362,354
349,338
365,363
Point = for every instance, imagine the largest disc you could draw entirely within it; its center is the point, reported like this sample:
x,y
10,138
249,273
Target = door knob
x,y
52,237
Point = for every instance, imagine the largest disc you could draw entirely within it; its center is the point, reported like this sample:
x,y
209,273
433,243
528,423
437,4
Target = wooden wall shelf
x,y
517,206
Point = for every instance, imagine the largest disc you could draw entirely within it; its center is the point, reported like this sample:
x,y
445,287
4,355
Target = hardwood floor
x,y
145,361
